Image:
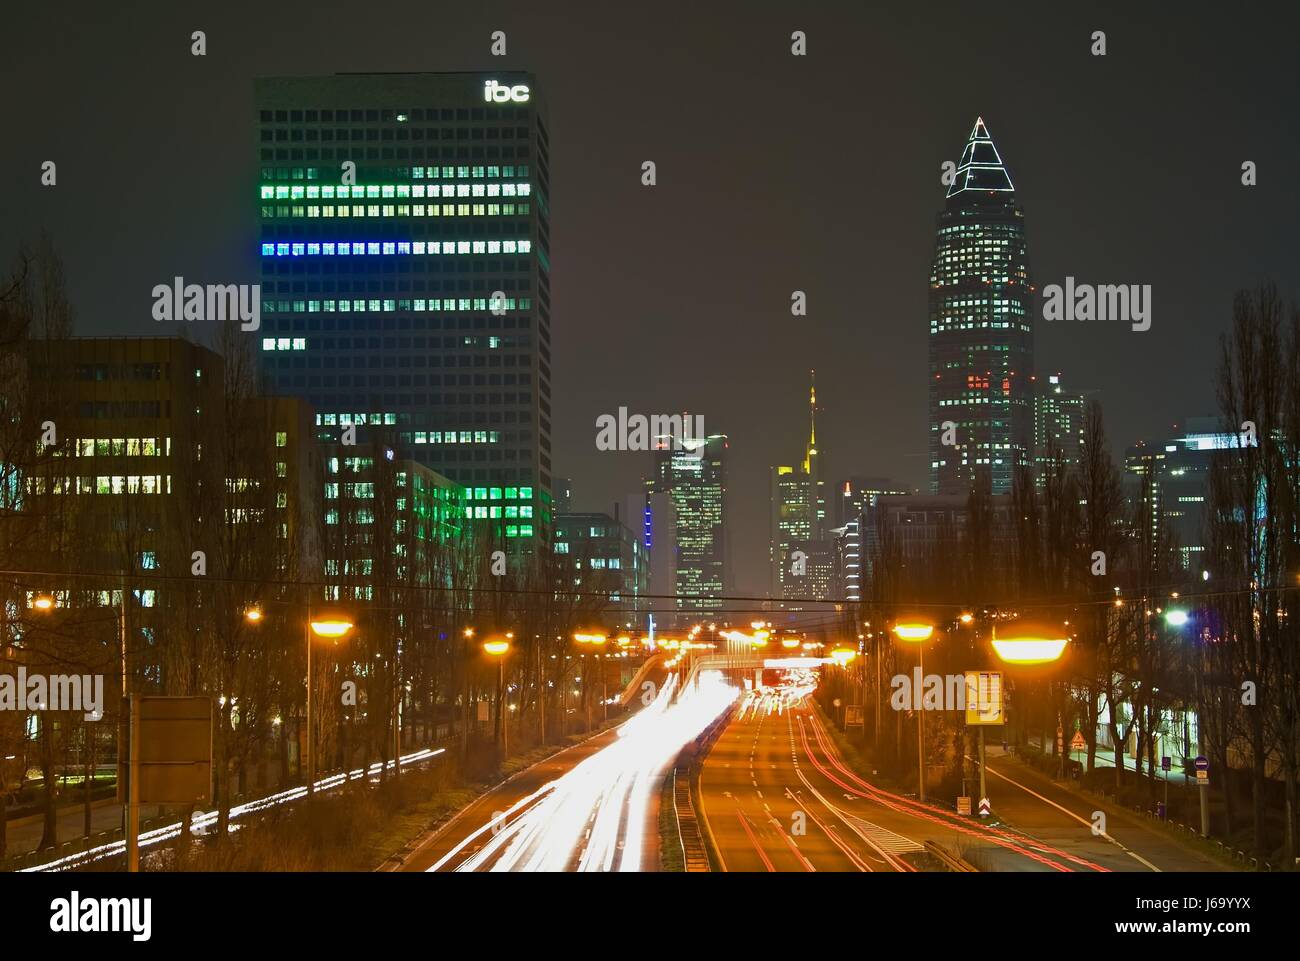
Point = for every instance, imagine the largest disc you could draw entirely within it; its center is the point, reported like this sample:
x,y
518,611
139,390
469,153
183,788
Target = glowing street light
x,y
333,627
1175,618
914,631
842,655
917,632
590,638
499,647
44,602
1029,649
967,617
253,615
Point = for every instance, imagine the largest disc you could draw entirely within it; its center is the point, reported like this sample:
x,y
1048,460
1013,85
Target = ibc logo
x,y
494,92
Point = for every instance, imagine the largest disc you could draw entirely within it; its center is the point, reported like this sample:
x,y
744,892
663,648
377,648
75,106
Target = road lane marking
x,y
1086,823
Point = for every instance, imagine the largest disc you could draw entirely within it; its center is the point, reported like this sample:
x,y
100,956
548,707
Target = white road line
x,y
1086,823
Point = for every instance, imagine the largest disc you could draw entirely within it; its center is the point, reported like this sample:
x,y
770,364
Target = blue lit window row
x,y
374,306
399,248
398,191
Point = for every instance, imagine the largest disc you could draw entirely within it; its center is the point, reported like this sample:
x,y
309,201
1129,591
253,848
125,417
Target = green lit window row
x,y
327,211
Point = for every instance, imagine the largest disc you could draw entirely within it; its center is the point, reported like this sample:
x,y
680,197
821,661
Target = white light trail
x,y
583,815
206,819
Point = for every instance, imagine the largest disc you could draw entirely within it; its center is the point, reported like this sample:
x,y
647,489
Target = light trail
x,y
206,819
580,819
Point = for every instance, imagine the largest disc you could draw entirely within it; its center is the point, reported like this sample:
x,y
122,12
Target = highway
x,y
590,808
776,796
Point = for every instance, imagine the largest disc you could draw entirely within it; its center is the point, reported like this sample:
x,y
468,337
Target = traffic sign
x,y
963,805
1202,770
984,700
1166,762
985,807
1077,743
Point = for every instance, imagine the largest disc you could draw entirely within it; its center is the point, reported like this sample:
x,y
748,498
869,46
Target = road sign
x,y
985,808
1166,762
963,806
1077,743
853,716
1202,770
984,702
174,745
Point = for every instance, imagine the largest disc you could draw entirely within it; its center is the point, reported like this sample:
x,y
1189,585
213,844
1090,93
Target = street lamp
x,y
1027,647
918,632
253,615
333,627
499,647
44,602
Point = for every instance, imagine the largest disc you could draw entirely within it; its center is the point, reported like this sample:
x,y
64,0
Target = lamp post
x,y
333,627
918,632
499,647
1025,648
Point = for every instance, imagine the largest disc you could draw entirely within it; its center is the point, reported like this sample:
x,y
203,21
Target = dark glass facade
x,y
981,346
417,295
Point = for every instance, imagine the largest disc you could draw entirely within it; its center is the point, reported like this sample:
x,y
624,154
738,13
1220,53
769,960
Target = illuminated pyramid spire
x,y
981,166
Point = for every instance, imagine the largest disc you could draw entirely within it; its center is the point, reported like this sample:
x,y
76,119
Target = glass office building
x,y
403,236
981,347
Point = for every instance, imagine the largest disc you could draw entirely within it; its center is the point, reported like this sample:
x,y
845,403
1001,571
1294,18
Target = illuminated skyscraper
x,y
850,500
403,236
981,348
1058,424
695,479
801,558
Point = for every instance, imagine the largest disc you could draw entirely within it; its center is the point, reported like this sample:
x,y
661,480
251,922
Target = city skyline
x,y
864,331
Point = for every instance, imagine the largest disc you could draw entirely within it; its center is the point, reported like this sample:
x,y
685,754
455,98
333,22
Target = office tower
x,y
611,553
694,477
1167,484
413,291
801,557
981,347
1058,424
852,497
652,515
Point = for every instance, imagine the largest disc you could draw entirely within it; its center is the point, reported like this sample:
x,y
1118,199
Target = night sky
x,y
776,173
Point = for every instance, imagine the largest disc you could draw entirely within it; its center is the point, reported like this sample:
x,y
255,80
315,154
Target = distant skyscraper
x,y
981,328
413,291
850,499
695,478
1167,486
1058,422
801,558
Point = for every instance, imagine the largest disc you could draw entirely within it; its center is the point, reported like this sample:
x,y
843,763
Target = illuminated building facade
x,y
801,558
415,295
1058,424
613,555
694,477
981,328
850,499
